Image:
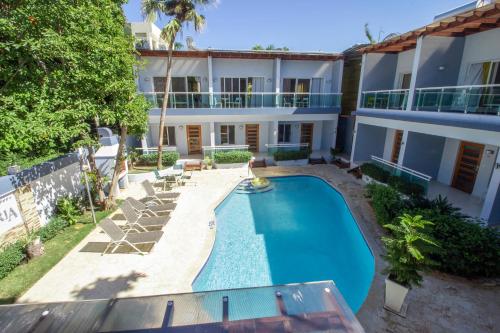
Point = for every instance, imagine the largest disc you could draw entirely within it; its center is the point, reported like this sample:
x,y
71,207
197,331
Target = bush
x,y
51,229
291,155
387,203
68,209
402,185
10,257
467,249
168,158
226,157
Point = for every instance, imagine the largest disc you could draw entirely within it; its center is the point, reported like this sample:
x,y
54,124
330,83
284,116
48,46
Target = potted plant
x,y
406,255
208,163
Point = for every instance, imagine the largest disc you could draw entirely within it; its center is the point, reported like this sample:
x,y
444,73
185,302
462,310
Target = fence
x,y
209,151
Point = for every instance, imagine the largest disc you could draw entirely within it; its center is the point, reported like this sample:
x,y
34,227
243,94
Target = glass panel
x,y
171,135
231,134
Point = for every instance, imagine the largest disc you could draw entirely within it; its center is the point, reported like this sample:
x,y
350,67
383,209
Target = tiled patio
x,y
443,304
470,204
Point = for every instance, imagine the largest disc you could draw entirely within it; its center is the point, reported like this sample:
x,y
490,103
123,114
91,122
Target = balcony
x,y
245,100
385,99
478,99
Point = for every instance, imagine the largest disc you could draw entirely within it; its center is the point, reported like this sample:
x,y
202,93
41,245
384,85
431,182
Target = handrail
x,y
461,87
285,145
237,93
402,168
386,90
227,147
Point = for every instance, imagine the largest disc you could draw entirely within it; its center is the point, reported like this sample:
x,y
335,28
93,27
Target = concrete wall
x,y
379,71
485,170
494,218
240,137
404,66
369,141
304,69
389,144
329,135
480,47
448,160
436,52
423,153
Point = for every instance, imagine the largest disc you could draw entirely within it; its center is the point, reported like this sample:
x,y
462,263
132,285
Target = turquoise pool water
x,y
301,231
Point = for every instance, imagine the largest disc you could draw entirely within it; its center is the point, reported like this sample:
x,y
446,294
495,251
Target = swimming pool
x,y
301,231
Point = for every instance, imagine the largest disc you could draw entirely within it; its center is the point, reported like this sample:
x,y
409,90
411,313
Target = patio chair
x,y
160,197
140,222
158,210
168,181
119,237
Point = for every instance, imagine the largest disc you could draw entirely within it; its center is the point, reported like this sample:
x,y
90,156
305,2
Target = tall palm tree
x,y
181,13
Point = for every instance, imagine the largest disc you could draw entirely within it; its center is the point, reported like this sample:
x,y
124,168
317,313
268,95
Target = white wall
x,y
480,47
448,160
329,134
485,171
389,143
403,66
157,67
243,68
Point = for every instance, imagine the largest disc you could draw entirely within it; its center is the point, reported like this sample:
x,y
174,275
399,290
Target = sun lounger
x,y
158,197
140,221
158,210
119,237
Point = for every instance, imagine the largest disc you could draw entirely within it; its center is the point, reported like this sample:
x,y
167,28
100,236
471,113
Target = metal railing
x,y
408,174
233,100
476,99
154,150
273,148
396,99
211,150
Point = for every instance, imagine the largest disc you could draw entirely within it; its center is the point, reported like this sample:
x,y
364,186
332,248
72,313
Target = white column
x,y
493,187
212,133
339,76
150,42
360,86
277,80
414,73
274,135
402,149
210,81
354,143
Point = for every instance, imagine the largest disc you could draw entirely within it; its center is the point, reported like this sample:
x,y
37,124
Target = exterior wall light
x,y
441,68
181,127
241,127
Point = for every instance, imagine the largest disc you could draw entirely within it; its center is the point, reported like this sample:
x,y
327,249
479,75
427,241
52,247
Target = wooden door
x,y
396,146
194,139
252,137
306,134
467,164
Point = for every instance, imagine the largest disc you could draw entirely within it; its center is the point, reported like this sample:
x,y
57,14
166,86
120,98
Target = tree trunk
x,y
165,103
118,167
99,184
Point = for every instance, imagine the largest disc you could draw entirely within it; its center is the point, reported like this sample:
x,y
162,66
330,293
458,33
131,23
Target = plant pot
x,y
395,295
35,248
209,166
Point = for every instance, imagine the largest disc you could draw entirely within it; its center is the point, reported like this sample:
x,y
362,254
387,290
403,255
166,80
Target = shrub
x,y
402,185
51,229
10,257
387,203
467,249
226,157
408,249
168,158
68,209
375,172
291,155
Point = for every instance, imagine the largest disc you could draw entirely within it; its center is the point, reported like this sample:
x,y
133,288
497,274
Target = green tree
x,y
257,47
181,12
369,35
178,46
407,250
65,67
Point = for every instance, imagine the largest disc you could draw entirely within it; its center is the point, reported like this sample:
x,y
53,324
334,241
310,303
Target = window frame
x,y
226,131
284,133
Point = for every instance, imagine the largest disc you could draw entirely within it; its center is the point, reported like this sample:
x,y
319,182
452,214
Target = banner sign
x,y
10,216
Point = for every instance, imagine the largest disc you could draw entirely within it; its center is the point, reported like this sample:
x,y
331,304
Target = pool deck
x,y
443,304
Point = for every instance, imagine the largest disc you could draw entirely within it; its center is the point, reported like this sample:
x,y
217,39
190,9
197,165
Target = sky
x,y
311,25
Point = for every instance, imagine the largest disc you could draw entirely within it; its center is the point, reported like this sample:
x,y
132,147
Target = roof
x,y
239,54
469,22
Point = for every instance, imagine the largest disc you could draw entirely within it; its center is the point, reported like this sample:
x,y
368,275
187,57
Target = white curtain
x,y
474,75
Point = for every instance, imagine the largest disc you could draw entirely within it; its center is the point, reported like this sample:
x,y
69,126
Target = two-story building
x,y
429,104
253,98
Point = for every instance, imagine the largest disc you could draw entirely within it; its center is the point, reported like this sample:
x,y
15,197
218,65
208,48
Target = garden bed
x,y
231,159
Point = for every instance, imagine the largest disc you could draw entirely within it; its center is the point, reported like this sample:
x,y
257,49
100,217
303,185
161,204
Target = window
x,y
298,85
284,133
227,134
169,136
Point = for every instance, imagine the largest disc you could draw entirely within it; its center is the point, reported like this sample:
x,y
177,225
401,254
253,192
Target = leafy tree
x,y
407,250
369,35
65,67
181,12
178,46
257,47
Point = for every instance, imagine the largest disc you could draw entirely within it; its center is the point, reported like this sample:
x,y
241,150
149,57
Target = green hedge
x,y
10,257
227,157
402,185
168,158
466,248
291,155
51,229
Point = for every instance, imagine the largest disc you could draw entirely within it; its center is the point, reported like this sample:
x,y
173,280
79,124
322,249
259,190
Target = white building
x,y
253,98
429,101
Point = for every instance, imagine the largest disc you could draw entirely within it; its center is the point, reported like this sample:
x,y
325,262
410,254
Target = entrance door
x,y
467,165
306,134
252,136
194,139
396,146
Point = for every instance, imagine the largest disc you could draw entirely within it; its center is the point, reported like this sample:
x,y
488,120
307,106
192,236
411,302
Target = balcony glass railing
x,y
480,99
282,147
245,100
209,151
385,99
